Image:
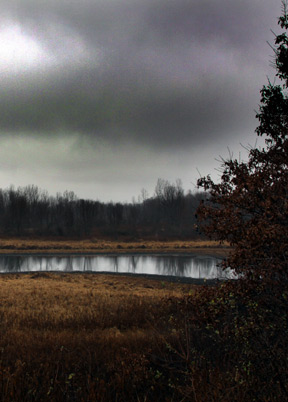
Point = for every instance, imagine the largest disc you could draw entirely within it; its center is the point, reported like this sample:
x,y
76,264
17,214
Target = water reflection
x,y
176,265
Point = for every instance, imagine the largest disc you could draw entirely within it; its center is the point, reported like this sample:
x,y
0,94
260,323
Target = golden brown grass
x,y
90,337
96,337
105,246
81,336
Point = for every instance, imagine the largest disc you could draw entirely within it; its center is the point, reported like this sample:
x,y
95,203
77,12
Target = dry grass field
x,y
96,337
81,337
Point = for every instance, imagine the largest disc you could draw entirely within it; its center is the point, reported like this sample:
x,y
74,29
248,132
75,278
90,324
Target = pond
x,y
191,266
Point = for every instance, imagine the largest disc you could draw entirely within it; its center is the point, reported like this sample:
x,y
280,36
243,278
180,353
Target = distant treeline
x,y
31,211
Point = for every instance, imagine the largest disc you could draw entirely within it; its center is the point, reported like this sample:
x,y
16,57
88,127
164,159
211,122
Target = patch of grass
x,y
81,337
15,245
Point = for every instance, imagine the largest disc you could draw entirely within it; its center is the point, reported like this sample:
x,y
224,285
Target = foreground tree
x,y
236,334
249,207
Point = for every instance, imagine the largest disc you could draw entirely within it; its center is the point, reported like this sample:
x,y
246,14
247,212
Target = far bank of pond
x,y
98,246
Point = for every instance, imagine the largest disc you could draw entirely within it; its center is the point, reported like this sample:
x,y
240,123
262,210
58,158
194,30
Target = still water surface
x,y
190,266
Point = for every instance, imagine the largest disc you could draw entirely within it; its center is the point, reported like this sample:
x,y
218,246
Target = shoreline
x,y
100,247
209,252
51,253
90,248
185,280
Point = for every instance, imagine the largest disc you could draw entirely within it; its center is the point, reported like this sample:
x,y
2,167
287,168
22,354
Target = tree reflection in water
x,y
133,263
175,265
197,267
11,264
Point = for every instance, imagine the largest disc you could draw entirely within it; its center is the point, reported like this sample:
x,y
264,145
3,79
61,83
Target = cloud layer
x,y
135,76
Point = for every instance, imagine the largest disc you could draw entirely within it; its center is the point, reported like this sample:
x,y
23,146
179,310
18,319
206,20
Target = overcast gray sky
x,y
102,97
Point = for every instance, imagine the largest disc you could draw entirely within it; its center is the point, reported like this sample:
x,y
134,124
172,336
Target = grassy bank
x,y
16,245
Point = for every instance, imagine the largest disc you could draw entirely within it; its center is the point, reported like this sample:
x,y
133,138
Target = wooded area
x,y
30,211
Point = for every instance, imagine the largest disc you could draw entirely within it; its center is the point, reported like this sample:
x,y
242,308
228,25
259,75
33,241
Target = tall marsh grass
x,y
80,337
84,337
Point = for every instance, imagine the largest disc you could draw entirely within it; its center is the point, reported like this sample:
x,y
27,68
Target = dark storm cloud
x,y
155,114
164,73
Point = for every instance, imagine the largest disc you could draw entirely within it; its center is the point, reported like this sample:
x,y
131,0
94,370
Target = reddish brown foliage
x,y
246,322
249,207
